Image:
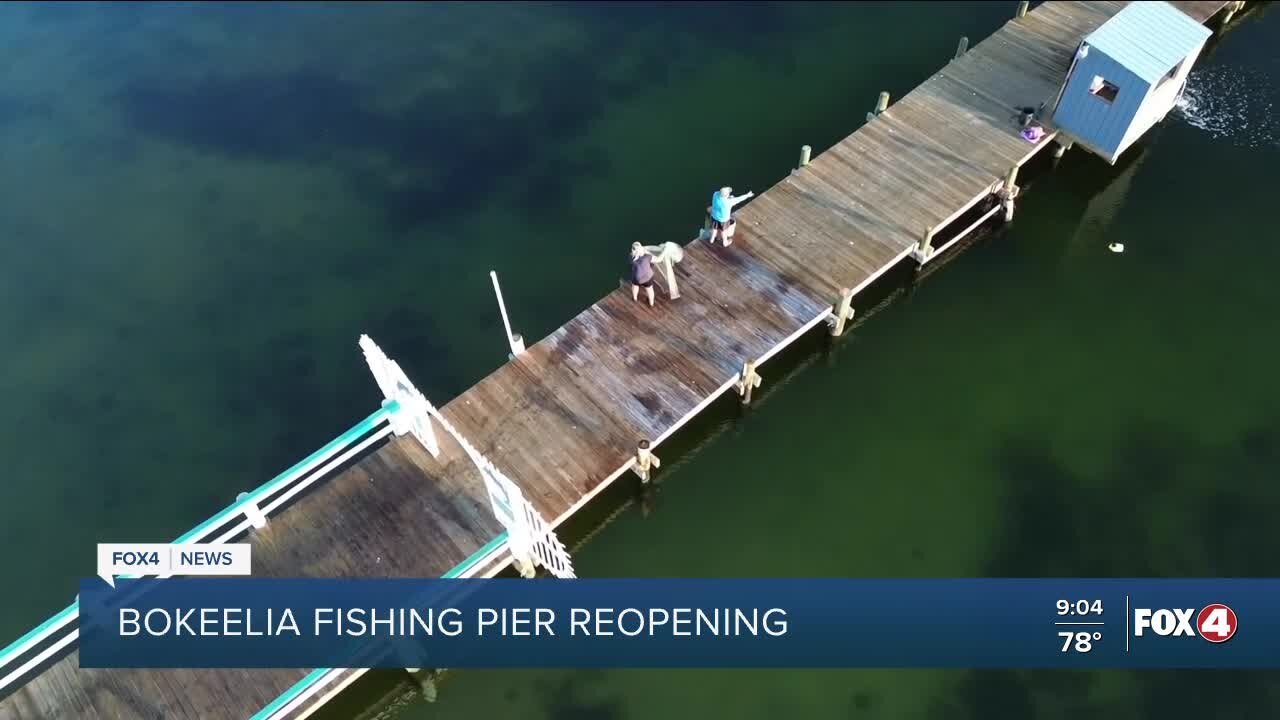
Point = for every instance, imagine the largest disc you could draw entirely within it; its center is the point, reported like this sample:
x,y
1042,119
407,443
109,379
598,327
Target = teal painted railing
x,y
314,676
60,618
288,477
306,465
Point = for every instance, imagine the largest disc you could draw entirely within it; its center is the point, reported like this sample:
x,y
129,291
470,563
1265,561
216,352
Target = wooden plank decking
x,y
563,420
396,513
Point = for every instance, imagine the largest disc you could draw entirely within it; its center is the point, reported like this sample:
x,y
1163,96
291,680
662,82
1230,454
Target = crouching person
x,y
641,272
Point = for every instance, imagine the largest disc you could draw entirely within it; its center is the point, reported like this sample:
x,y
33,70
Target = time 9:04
x,y
1080,607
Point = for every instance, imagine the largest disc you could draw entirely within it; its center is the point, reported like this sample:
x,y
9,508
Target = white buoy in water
x,y
1116,247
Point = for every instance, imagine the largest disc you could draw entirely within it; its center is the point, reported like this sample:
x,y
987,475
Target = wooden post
x,y
1008,193
750,380
843,311
1232,8
426,680
1022,8
882,104
523,560
706,226
673,290
1012,177
805,151
646,461
925,249
963,47
1062,149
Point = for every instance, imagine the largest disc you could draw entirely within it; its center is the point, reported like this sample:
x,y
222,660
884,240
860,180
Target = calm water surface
x,y
205,205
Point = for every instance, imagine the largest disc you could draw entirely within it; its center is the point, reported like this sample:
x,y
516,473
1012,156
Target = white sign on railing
x,y
530,538
414,415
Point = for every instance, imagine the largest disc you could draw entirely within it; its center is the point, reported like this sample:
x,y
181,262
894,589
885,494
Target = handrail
x,y
298,471
48,627
312,677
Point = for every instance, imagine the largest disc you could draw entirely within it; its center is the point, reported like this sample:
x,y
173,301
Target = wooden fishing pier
x,y
410,490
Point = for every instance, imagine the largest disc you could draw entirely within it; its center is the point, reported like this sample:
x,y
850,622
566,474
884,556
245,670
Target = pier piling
x,y
882,104
749,381
843,311
646,461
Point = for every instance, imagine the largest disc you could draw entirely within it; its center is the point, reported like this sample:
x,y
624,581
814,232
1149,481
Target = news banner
x,y
255,622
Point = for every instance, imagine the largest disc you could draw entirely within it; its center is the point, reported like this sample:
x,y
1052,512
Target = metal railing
x,y
527,538
249,510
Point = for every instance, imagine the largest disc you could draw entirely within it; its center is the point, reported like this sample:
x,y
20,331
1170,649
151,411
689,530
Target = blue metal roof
x,y
1149,38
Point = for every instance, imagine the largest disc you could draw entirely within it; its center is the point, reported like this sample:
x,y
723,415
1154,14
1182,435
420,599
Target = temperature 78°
x,y
1081,642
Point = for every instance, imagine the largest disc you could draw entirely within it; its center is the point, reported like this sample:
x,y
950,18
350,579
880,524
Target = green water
x,y
205,205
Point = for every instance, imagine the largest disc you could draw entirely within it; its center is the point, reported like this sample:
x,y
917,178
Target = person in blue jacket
x,y
722,212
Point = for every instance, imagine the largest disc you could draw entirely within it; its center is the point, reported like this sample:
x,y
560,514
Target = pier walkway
x,y
562,420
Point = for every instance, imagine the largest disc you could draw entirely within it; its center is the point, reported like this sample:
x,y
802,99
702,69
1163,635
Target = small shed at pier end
x,y
1126,76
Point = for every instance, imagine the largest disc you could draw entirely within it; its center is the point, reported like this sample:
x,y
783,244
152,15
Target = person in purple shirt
x,y
641,272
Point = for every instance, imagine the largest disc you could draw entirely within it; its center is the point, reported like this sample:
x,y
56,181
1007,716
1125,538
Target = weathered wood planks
x,y
565,417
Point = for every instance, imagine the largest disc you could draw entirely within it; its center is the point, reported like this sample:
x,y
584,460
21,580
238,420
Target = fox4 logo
x,y
1215,623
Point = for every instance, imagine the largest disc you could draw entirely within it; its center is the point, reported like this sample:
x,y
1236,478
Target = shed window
x,y
1103,89
1170,75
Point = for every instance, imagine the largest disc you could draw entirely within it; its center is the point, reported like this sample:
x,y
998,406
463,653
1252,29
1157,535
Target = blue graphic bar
x,y
460,623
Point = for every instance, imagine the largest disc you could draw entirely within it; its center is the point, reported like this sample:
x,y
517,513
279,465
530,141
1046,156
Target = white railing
x,y
249,510
527,536
404,411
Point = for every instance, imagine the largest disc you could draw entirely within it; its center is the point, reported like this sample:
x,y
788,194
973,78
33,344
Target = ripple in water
x,y
1232,103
